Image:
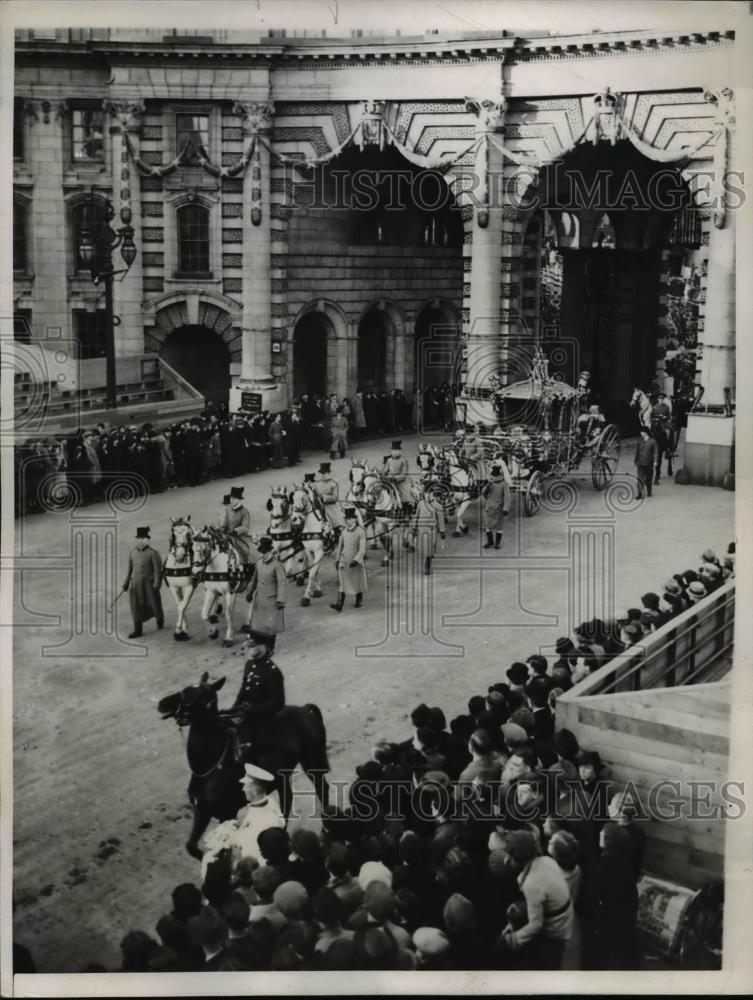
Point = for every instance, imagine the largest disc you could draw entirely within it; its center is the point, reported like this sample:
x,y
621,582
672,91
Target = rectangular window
x,y
22,326
18,130
192,133
87,134
90,330
19,238
193,240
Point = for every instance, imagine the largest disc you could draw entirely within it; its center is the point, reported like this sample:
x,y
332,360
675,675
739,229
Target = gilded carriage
x,y
544,430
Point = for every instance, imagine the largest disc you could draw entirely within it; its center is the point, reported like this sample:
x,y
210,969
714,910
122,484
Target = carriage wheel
x,y
532,498
606,456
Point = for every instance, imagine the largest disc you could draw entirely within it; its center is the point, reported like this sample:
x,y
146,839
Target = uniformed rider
x,y
328,491
260,698
396,469
237,522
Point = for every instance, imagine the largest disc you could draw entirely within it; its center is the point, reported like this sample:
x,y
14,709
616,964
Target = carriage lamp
x,y
128,247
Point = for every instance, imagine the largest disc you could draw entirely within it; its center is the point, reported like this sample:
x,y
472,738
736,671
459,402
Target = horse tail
x,y
322,762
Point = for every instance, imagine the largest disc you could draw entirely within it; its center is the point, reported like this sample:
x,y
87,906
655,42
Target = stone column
x,y
486,250
717,366
256,360
126,201
51,257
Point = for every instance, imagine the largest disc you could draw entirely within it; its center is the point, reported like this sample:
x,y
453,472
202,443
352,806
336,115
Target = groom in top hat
x,y
144,580
237,521
396,469
329,493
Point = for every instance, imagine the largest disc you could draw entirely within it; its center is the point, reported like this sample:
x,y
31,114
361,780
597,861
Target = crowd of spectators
x,y
494,842
214,444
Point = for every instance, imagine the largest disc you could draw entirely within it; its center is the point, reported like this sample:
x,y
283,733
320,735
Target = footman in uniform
x,y
237,521
266,594
397,471
427,525
329,493
496,503
349,557
144,580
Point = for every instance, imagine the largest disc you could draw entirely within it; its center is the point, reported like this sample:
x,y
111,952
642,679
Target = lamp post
x,y
96,246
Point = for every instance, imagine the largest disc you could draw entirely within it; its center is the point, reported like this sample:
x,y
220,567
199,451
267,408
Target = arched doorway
x,y
601,266
201,357
374,331
435,346
310,354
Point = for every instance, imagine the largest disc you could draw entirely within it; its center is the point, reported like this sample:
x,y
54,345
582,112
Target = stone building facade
x,y
263,264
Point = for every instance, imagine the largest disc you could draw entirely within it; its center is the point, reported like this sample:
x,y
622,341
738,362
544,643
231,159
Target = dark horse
x,y
216,757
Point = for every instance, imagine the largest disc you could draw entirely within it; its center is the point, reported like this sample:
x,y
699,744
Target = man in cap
x,y
350,553
496,502
541,940
241,834
237,522
144,579
396,470
328,491
266,594
645,460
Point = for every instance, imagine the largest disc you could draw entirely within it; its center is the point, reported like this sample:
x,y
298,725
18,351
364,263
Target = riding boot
x,y
489,540
427,566
359,601
338,606
498,540
137,633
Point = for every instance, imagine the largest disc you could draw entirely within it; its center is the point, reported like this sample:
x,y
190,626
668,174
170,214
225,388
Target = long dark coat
x,y
144,580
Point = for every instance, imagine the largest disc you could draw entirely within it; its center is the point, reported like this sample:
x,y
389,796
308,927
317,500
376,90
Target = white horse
x,y
219,565
177,570
384,508
281,530
459,486
317,534
642,406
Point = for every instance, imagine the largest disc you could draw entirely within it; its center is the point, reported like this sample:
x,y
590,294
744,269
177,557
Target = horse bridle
x,y
217,766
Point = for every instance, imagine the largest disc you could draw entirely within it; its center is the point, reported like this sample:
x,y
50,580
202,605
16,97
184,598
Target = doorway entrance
x,y
201,357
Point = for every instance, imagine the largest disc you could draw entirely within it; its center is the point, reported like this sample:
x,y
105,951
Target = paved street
x,y
100,806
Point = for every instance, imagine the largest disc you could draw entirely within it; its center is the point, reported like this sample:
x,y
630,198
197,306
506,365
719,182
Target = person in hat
x,y
696,591
471,451
427,525
266,595
144,579
496,502
328,491
517,674
396,470
261,812
349,555
237,522
711,576
563,847
339,433
260,697
541,941
645,460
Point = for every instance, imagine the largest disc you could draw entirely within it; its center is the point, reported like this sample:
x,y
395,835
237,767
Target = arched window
x,y
20,251
87,215
193,241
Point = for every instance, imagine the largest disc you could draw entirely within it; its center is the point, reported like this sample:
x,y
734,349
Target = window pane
x,y
18,130
193,239
192,130
19,237
90,333
87,134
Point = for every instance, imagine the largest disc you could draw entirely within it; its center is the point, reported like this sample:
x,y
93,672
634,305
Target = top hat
x,y
309,477
236,492
349,512
225,499
256,773
496,470
325,467
142,533
264,544
396,445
